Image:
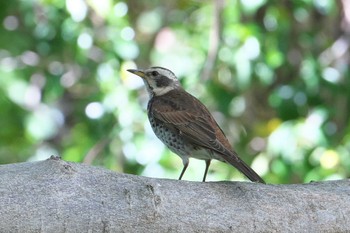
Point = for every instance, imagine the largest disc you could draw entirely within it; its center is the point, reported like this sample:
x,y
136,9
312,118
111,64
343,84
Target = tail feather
x,y
233,159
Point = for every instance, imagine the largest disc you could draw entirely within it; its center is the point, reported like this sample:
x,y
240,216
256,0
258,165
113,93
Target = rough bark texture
x,y
58,196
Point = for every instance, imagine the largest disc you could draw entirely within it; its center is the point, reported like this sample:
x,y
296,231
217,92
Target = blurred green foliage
x,y
275,74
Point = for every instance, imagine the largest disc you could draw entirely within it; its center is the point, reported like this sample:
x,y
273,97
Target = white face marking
x,y
153,77
162,90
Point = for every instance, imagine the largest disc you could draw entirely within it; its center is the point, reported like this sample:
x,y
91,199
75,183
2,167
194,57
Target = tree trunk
x,y
58,196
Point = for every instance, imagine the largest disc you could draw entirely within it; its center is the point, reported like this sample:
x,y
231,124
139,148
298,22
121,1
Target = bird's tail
x,y
232,158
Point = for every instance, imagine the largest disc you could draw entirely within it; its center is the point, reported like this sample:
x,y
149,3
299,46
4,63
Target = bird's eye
x,y
154,73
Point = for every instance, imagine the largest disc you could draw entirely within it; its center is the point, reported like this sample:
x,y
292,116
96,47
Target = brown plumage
x,y
185,125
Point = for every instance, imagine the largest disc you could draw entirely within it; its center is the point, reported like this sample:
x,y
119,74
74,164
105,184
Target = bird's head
x,y
158,80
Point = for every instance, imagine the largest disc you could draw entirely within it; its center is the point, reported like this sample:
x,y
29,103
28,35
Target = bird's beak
x,y
140,73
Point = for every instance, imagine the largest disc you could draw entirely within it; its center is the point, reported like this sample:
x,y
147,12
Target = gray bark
x,y
58,196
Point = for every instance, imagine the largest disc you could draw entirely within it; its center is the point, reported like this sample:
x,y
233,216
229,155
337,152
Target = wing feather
x,y
192,120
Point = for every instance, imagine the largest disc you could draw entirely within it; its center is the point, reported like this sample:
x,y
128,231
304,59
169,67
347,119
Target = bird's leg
x,y
207,164
185,162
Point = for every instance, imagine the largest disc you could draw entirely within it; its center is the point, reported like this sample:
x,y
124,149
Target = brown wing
x,y
193,120
190,117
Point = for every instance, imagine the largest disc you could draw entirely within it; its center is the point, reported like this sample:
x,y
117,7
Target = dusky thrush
x,y
185,125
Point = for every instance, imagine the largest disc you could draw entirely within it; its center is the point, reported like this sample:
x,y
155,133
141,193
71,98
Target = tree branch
x,y
59,196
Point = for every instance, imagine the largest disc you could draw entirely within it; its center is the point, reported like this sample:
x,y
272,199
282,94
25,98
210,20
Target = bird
x,y
185,125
